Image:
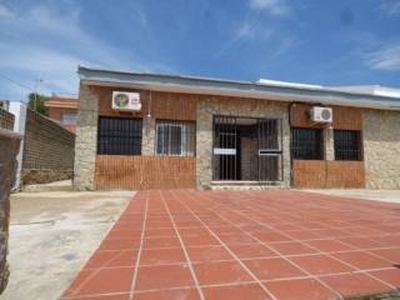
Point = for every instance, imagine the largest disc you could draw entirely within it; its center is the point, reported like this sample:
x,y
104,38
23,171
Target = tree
x,y
36,103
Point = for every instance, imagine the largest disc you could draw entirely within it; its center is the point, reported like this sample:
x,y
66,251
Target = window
x,y
307,143
68,119
347,144
175,138
118,136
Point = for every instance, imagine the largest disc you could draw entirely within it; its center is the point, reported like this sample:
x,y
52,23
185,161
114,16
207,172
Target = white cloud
x,y
391,7
50,42
386,58
275,7
252,31
5,12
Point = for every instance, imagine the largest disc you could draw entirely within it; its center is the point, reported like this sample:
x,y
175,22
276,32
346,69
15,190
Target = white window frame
x,y
183,139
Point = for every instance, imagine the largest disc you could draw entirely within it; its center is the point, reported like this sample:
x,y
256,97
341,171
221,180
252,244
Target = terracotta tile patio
x,y
274,244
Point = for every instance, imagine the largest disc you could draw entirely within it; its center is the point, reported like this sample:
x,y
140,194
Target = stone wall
x,y
6,119
48,150
230,106
86,139
9,146
381,134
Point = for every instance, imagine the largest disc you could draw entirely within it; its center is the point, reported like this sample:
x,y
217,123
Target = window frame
x,y
186,134
320,150
75,116
357,155
107,141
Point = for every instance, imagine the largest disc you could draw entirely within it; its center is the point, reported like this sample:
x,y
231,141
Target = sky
x,y
342,42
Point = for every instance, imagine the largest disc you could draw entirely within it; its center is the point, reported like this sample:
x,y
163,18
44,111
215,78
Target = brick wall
x,y
6,119
48,150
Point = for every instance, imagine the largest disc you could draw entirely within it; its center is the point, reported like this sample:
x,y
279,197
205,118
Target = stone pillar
x,y
329,143
9,147
148,136
86,139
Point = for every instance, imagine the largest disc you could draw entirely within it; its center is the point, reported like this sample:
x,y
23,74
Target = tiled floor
x,y
274,244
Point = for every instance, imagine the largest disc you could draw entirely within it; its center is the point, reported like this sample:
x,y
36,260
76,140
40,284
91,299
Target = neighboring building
x,y
63,110
199,132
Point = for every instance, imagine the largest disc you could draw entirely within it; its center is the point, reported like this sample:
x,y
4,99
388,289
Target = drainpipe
x,y
291,104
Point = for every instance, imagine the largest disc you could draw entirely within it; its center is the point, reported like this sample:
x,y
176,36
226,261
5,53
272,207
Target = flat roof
x,y
62,102
263,89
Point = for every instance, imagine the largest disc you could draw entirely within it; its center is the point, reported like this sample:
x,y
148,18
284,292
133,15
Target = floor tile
x,y
236,292
178,294
329,245
161,242
252,251
292,248
391,276
355,284
392,255
273,268
163,276
162,256
220,272
300,289
120,244
208,253
200,240
100,283
362,260
320,264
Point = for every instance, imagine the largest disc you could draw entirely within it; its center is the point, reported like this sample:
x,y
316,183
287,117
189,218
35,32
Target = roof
x,y
263,89
62,102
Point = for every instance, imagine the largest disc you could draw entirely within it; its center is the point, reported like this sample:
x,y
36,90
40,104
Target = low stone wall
x,y
9,146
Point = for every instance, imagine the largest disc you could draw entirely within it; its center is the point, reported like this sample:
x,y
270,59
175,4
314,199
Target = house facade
x,y
64,111
190,132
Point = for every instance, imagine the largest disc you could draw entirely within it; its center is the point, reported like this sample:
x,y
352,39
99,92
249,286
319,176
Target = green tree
x,y
36,103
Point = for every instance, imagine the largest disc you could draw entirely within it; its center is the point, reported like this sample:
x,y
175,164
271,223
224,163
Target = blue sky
x,y
309,41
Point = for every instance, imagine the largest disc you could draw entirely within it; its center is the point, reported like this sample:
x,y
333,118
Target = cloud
x,y
274,7
390,7
50,42
386,58
252,31
5,12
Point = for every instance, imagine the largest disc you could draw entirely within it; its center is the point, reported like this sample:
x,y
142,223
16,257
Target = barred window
x,y
307,143
119,136
175,138
347,145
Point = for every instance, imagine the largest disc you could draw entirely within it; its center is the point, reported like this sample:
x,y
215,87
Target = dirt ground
x,y
52,234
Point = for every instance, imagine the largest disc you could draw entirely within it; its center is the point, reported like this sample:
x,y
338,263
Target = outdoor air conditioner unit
x,y
321,114
126,101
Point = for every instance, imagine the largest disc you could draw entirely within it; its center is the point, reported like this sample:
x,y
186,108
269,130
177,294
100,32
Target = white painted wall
x,y
18,109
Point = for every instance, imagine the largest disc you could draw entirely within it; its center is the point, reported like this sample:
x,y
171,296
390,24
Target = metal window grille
x,y
119,136
347,144
307,143
174,138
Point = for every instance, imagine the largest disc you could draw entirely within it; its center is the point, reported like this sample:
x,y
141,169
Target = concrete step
x,y
245,185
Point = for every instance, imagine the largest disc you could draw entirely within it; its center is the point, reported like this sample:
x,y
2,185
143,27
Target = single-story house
x,y
144,131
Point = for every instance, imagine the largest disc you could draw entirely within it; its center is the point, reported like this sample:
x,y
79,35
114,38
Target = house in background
x,y
63,110
146,131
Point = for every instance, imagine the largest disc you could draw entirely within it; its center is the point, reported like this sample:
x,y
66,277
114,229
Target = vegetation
x,y
36,103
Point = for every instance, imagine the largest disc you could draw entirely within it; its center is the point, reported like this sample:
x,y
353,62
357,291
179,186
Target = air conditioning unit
x,y
321,114
126,101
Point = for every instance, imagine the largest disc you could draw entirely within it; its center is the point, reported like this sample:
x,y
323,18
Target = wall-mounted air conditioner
x,y
126,101
321,114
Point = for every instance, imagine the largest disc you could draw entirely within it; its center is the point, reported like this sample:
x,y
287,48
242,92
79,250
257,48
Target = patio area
x,y
217,245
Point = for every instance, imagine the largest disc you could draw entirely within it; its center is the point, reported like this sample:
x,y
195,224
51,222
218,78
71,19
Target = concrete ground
x,y
52,234
392,196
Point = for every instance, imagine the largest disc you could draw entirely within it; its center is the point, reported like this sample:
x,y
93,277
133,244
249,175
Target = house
x,y
63,110
144,131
